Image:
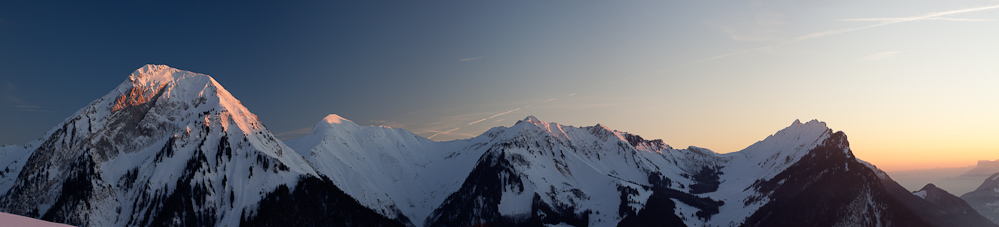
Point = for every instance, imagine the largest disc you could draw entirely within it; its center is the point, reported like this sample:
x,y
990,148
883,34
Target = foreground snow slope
x,y
11,220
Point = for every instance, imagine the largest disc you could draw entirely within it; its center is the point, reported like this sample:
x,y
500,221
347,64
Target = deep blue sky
x,y
293,63
903,78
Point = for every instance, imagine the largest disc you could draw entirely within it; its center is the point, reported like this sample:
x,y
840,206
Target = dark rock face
x,y
184,202
68,204
939,197
943,208
476,202
985,199
706,180
828,187
74,187
315,202
659,209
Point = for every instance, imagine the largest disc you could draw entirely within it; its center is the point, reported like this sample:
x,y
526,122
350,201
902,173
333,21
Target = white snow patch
x,y
12,159
686,212
514,202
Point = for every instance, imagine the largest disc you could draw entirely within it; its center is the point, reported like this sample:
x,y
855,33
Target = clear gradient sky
x,y
914,84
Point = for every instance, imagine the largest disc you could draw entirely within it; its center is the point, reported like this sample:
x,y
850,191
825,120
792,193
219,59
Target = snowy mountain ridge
x,y
134,156
579,166
172,147
538,172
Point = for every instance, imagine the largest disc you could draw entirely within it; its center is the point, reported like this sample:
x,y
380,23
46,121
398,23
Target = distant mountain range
x,y
984,168
985,199
170,147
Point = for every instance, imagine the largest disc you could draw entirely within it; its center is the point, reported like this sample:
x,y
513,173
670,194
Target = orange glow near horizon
x,y
891,145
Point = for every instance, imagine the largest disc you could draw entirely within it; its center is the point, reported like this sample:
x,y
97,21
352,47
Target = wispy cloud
x,y
451,122
886,21
889,19
880,56
443,132
8,93
584,106
480,120
34,110
293,133
761,26
897,20
497,115
764,19
469,59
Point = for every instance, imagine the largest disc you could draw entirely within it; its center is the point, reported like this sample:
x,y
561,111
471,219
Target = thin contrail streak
x,y
821,34
897,20
497,115
884,19
444,132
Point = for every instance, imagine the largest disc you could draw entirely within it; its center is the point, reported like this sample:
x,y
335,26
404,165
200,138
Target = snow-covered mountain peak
x,y
177,103
772,155
158,101
335,119
334,125
161,137
151,80
330,129
533,123
812,124
801,132
187,92
151,74
930,186
533,119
